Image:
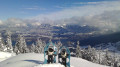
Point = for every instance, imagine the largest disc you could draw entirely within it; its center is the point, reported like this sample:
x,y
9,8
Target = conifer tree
x,y
39,46
58,45
25,48
9,43
32,48
2,45
90,54
78,50
107,58
21,44
15,49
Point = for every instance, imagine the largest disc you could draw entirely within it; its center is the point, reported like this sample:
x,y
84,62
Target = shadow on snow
x,y
35,61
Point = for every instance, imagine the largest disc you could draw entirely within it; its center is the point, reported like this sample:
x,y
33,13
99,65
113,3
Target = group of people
x,y
62,56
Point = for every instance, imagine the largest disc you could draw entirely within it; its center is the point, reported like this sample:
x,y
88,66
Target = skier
x,y
63,55
51,55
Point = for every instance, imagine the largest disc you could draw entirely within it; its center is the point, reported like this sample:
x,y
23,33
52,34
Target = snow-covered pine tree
x,y
32,48
78,50
99,54
15,49
94,57
58,45
9,43
25,48
116,64
44,44
90,54
21,44
2,45
107,58
39,46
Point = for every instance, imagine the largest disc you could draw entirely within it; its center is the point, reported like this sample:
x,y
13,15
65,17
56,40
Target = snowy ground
x,y
5,55
50,65
36,60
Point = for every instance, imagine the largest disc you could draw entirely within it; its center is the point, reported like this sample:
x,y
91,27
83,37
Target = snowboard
x,y
50,45
67,58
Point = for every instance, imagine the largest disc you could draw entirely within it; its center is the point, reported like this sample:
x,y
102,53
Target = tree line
x,y
21,46
103,57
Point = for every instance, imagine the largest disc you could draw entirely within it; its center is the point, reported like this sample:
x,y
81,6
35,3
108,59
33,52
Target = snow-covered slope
x,y
5,55
36,60
50,65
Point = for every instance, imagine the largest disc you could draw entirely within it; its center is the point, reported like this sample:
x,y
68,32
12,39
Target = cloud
x,y
35,8
108,20
60,7
82,3
1,22
31,8
13,22
104,15
85,10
